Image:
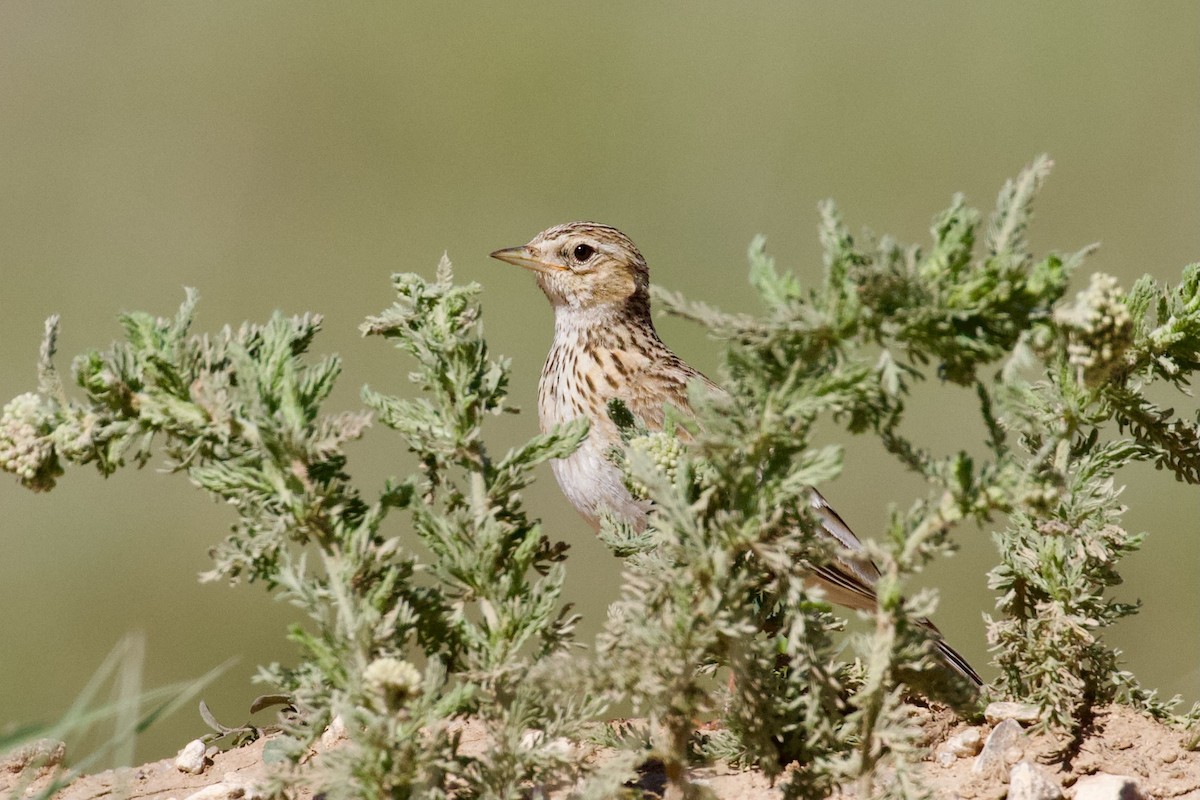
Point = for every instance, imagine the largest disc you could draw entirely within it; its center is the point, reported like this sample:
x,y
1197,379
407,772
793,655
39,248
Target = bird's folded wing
x,y
856,571
658,381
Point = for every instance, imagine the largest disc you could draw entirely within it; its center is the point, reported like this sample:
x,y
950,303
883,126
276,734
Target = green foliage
x,y
719,582
239,412
1049,376
437,600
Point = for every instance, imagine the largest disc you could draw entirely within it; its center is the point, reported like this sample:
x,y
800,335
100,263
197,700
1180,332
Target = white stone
x,y
335,733
560,746
1027,782
191,758
945,758
992,759
1103,786
218,791
233,786
964,743
1025,713
244,787
40,752
534,739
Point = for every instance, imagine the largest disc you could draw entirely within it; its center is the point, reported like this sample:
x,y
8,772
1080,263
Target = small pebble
x,y
191,759
232,786
40,752
335,733
559,746
992,758
1027,782
1025,713
945,758
1103,786
218,791
965,743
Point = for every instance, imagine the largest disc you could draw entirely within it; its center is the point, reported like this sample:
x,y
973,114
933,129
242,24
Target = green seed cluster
x,y
26,446
663,450
1100,329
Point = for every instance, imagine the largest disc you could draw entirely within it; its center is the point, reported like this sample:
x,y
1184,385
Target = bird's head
x,y
585,265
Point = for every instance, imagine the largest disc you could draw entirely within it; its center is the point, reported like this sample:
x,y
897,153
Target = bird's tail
x,y
960,664
849,579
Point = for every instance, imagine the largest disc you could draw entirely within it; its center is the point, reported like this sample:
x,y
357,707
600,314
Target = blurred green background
x,y
293,155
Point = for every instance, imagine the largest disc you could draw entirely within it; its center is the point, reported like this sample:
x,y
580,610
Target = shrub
x,y
456,611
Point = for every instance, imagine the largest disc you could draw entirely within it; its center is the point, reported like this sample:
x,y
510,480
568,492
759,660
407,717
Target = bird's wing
x,y
848,580
660,381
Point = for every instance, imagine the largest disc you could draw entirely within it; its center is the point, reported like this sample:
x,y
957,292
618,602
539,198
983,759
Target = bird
x,y
605,347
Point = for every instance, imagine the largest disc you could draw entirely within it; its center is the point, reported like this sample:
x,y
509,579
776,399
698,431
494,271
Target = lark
x,y
605,347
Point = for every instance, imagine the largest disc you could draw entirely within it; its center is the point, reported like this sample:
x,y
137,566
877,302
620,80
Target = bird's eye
x,y
583,252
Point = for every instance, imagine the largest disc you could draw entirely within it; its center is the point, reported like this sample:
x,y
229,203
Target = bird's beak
x,y
523,257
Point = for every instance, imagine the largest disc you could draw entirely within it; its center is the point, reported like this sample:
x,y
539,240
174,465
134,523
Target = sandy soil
x,y
1122,742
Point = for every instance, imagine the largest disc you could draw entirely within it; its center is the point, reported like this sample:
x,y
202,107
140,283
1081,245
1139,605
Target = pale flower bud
x,y
392,679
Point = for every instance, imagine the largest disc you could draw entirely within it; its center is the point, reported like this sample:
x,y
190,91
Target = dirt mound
x,y
1120,742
